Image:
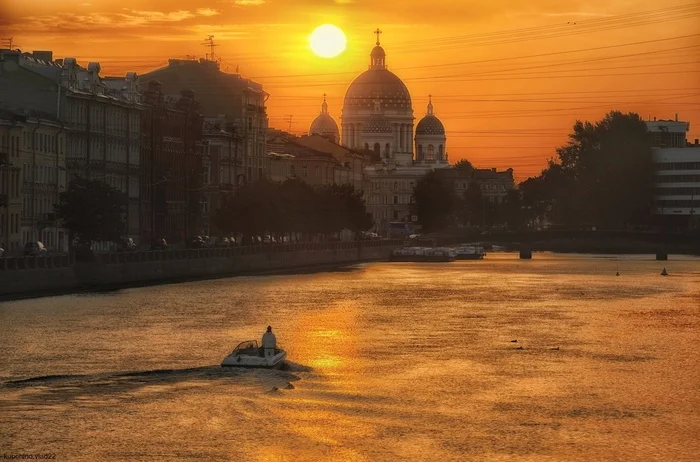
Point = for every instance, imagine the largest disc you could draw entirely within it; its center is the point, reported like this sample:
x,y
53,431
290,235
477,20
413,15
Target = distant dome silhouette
x,y
324,125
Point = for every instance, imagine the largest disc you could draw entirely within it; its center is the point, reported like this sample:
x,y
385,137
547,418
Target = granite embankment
x,y
35,276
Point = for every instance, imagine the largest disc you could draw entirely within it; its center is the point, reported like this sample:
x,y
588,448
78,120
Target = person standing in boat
x,y
269,343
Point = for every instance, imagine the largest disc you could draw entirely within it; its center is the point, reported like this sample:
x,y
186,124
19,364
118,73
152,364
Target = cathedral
x,y
378,117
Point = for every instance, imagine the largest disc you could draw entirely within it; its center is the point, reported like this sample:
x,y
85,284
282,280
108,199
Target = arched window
x,y
387,151
441,153
366,146
420,152
431,152
377,149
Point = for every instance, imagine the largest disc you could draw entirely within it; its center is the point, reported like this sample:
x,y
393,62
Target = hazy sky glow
x,y
508,77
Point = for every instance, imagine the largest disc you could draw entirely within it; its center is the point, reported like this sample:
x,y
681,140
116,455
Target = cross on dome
x,y
430,104
324,106
377,32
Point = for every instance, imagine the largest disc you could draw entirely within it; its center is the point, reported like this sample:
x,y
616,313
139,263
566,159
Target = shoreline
x,y
96,289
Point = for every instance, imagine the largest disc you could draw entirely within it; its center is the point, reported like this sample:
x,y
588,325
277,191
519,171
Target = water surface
x,y
389,361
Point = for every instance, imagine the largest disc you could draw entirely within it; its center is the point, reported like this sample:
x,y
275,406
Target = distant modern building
x,y
32,177
172,172
677,165
101,117
240,100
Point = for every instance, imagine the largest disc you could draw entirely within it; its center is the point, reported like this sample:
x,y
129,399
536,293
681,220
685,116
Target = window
x,y
431,152
304,171
396,200
387,151
441,153
396,214
376,148
317,172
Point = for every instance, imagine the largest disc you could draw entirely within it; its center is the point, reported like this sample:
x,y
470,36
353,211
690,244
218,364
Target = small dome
x,y
377,123
430,125
378,52
324,125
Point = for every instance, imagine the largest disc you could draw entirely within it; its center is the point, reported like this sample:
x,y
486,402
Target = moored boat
x,y
469,252
422,254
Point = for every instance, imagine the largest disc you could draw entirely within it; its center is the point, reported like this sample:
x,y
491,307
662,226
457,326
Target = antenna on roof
x,y
8,42
209,42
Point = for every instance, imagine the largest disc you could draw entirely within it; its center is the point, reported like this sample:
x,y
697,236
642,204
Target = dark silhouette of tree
x,y
293,208
604,175
473,211
434,201
92,211
464,166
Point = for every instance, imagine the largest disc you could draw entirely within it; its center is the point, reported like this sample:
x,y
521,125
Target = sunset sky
x,y
508,77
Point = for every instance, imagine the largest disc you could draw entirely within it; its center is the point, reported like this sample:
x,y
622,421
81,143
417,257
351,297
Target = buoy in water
x,y
664,272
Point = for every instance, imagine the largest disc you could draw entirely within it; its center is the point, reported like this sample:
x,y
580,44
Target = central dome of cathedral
x,y
378,84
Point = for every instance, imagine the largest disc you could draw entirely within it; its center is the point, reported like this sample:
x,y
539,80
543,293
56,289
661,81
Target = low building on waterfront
x,y
32,177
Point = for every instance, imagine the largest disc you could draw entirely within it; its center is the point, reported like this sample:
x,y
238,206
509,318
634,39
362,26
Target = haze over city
x,y
508,79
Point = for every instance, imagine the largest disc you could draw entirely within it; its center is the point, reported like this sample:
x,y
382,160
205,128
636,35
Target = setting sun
x,y
327,41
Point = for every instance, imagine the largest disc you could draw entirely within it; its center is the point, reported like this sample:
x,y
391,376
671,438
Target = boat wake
x,y
132,379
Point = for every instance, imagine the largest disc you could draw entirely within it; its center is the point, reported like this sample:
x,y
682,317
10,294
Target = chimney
x,y
696,142
676,117
654,119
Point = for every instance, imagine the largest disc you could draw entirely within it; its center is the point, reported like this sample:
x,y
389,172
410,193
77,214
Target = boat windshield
x,y
247,345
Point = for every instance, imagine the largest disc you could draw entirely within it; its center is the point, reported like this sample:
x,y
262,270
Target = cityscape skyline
x,y
518,104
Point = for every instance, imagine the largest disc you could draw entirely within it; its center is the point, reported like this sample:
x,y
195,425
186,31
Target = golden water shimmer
x,y
388,362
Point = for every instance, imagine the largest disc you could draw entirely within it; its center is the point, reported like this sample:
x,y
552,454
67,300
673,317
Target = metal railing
x,y
30,263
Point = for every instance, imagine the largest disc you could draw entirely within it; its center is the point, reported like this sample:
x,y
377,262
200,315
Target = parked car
x,y
195,242
35,249
159,244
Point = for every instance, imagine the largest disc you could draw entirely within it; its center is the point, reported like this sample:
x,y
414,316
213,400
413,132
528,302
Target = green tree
x,y
351,204
92,211
434,201
604,174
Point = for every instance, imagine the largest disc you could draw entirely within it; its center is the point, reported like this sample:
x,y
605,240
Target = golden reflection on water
x,y
387,362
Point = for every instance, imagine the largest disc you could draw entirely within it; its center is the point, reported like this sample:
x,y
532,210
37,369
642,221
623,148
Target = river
x,y
387,361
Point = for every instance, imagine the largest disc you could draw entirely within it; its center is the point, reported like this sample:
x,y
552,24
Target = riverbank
x,y
34,277
604,246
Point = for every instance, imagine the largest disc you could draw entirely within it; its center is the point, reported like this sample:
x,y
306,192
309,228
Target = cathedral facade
x,y
378,116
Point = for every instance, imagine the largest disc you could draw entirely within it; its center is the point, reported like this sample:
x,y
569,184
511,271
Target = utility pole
x,y
7,42
290,122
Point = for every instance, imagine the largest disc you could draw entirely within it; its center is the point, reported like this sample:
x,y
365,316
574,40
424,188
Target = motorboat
x,y
249,354
422,254
469,252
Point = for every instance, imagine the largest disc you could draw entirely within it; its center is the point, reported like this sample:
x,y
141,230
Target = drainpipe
x,y
33,195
